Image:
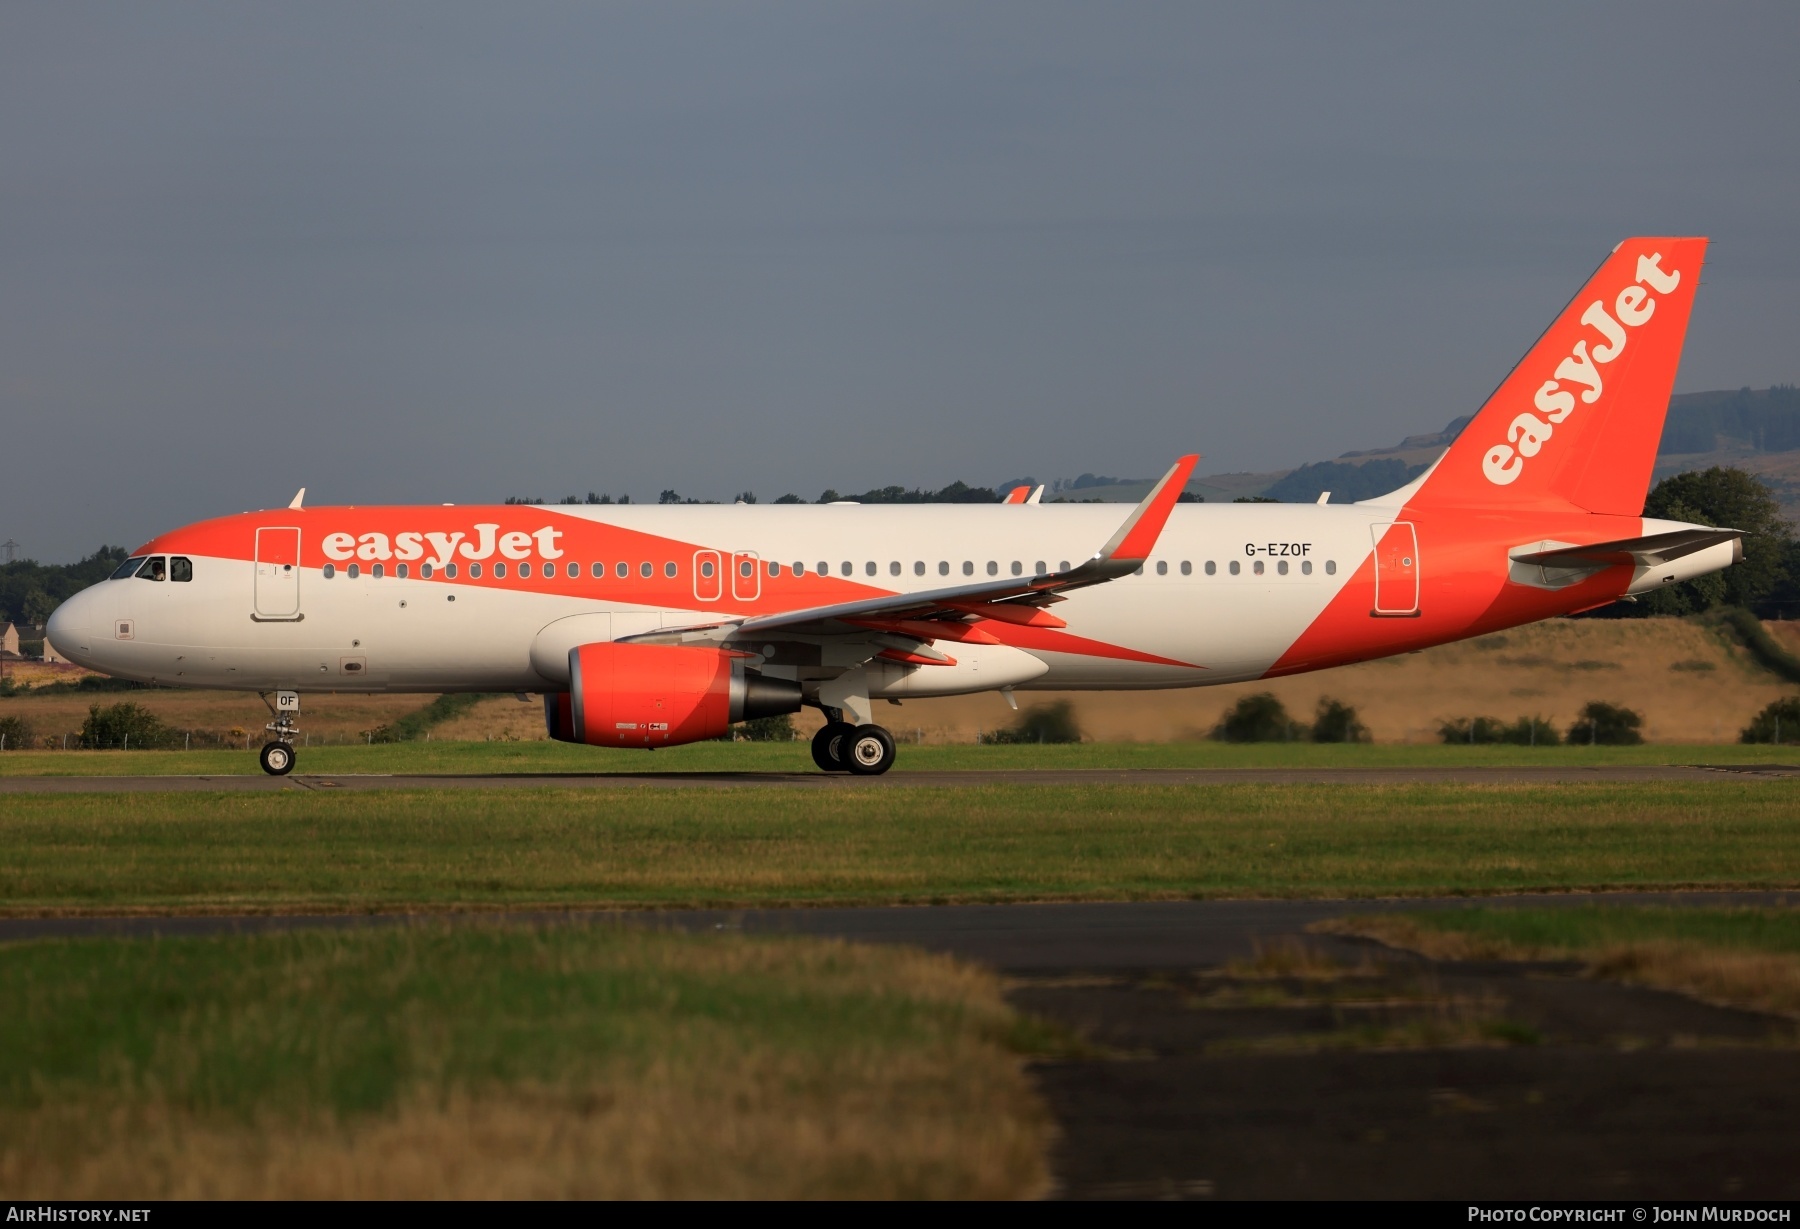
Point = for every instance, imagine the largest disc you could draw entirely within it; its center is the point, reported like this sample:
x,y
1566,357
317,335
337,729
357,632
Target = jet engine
x,y
658,695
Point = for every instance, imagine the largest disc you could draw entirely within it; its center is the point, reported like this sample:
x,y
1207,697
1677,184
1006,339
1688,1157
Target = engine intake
x,y
658,695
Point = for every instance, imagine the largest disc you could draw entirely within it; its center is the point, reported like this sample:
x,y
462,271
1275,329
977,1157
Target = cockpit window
x,y
128,568
181,568
155,568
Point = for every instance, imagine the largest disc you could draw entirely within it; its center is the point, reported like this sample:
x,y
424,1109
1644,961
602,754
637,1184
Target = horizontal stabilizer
x,y
1650,552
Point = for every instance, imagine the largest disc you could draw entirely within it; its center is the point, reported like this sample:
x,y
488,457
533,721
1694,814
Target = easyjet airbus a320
x,y
654,626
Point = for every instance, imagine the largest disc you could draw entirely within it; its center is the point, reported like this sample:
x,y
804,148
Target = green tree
x,y
1778,723
1258,718
1609,725
125,726
1042,723
1728,498
1336,722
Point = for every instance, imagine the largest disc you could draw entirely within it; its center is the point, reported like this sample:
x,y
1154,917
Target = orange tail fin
x,y
1577,422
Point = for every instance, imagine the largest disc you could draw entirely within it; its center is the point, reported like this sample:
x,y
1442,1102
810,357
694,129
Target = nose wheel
x,y
277,755
862,750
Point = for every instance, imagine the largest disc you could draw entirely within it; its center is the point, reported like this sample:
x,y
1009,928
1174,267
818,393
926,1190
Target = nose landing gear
x,y
277,755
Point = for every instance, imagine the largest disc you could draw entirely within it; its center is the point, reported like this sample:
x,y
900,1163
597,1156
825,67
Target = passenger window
x,y
1138,571
1062,565
1331,567
425,571
155,568
330,570
706,569
598,571
474,571
1257,567
993,568
355,570
621,570
669,570
500,571
574,570
746,569
869,568
1038,568
1018,569
824,568
847,568
1282,567
449,571
968,567
181,568
774,568
1306,567
1187,569
943,567
1235,568
1212,569
918,567
403,571
380,570
1162,567
128,568
894,568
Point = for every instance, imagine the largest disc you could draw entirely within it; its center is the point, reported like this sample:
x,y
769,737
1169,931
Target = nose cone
x,y
68,631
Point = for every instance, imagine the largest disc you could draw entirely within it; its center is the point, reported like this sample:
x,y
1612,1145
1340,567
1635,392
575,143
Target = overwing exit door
x,y
277,574
1396,571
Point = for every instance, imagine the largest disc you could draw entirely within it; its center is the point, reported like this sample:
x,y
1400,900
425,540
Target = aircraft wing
x,y
1648,552
945,612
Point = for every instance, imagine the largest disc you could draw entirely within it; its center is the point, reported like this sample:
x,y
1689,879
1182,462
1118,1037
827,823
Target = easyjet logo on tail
x,y
1528,433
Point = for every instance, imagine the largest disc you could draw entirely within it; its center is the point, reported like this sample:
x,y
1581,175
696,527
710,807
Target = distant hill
x,y
1757,430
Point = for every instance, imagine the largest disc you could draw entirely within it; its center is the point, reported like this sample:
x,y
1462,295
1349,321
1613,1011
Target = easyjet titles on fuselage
x,y
445,547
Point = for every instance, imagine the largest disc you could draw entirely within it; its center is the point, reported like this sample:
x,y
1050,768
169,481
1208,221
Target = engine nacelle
x,y
660,695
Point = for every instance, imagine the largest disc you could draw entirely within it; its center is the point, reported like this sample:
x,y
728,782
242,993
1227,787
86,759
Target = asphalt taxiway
x,y
1205,1081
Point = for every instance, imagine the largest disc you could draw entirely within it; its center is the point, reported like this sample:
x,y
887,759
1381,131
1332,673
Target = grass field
x,y
505,1062
549,757
403,849
1741,957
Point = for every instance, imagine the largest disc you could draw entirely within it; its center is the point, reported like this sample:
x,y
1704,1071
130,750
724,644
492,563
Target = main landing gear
x,y
865,750
277,755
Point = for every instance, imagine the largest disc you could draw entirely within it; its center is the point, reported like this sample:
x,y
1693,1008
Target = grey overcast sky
x,y
453,252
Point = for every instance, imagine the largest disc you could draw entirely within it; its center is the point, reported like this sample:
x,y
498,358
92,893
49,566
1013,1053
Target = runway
x,y
1619,1092
1517,775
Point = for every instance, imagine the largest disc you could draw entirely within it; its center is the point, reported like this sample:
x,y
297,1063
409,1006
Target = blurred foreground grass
x,y
636,847
550,757
508,1062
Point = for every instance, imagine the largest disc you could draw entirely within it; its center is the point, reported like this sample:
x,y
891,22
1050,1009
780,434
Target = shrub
x,y
1532,732
1042,723
1606,724
1258,718
15,733
124,726
776,729
1780,722
1336,722
1525,732
1472,730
